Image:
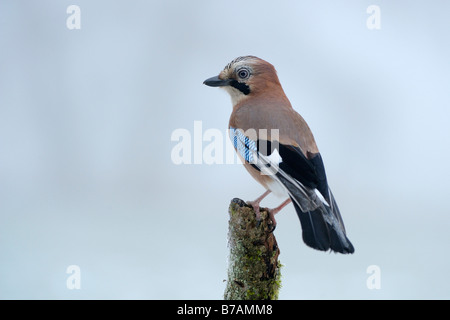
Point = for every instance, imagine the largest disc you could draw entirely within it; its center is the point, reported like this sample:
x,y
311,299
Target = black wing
x,y
319,215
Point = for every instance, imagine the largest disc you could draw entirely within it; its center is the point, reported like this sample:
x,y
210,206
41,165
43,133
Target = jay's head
x,y
245,77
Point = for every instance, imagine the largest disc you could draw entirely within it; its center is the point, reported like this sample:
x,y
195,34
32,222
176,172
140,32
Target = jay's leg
x,y
255,204
274,211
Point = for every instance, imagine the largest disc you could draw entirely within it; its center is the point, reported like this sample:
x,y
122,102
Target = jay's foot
x,y
274,211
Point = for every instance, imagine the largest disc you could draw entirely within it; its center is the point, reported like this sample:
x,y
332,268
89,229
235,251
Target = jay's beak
x,y
216,82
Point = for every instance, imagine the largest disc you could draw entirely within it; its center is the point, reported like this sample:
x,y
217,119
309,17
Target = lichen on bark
x,y
254,269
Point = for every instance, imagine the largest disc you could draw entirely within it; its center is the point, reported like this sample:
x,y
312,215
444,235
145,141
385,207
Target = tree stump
x,y
254,269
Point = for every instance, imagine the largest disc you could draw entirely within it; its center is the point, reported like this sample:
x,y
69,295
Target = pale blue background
x,y
86,118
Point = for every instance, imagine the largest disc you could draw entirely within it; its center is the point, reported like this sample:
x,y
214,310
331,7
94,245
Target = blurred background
x,y
86,118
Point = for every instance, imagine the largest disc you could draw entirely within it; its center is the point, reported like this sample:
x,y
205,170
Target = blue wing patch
x,y
243,144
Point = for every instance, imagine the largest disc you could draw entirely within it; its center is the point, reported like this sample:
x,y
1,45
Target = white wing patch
x,y
275,157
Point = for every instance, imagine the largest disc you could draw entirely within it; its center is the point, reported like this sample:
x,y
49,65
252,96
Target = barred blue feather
x,y
243,144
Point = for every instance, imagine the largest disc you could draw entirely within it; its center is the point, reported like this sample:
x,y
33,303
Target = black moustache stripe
x,y
242,87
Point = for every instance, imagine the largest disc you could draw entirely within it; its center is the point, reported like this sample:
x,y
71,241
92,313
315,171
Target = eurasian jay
x,y
278,149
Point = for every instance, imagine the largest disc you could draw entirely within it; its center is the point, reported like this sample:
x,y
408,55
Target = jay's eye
x,y
243,73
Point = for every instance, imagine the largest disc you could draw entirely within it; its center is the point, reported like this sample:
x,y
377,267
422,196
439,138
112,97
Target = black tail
x,y
323,228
